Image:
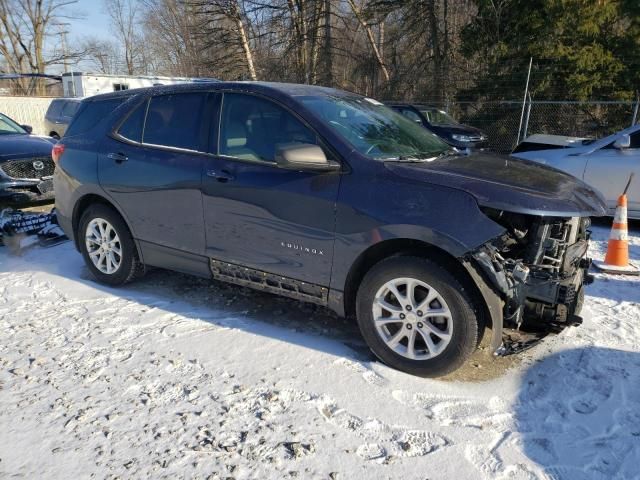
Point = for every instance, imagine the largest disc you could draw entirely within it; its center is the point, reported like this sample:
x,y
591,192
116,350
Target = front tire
x,y
107,246
416,317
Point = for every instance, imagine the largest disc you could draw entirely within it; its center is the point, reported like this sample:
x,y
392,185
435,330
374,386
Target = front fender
x,y
370,212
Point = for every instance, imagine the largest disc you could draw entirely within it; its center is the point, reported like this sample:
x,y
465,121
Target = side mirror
x,y
624,141
304,157
28,128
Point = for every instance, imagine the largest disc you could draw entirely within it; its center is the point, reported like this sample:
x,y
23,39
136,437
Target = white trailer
x,y
80,84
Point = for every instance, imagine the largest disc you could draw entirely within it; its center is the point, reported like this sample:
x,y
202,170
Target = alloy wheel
x,y
103,245
412,318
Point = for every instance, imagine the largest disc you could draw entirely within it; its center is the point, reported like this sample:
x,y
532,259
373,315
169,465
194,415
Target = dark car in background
x,y
442,124
330,198
59,115
26,167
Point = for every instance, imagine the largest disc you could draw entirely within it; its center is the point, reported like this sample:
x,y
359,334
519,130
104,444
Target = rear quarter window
x,y
55,107
70,108
91,114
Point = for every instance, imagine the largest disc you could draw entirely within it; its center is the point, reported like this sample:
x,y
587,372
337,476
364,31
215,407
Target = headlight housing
x,y
461,138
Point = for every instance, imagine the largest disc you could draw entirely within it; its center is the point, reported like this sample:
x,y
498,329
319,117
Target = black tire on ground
x,y
579,303
466,326
130,267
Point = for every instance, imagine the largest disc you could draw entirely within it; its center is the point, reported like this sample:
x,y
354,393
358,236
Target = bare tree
x,y
171,39
102,55
124,17
357,11
24,27
224,31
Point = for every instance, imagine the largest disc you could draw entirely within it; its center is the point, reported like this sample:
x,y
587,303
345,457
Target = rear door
x,y
261,216
608,170
152,168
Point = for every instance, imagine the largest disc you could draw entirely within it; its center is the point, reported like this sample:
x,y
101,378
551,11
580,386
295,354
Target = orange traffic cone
x,y
617,258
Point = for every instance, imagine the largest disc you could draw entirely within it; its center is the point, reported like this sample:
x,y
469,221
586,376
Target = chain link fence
x,y
501,120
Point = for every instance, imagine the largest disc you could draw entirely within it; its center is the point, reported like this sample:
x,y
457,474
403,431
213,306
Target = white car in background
x,y
605,163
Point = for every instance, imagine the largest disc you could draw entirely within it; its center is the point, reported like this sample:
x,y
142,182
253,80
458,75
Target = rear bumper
x,y
67,226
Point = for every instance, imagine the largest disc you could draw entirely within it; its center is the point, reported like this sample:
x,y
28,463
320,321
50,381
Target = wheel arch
x,y
85,202
417,248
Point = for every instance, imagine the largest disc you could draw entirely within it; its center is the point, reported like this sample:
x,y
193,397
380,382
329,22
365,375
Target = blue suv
x,y
327,197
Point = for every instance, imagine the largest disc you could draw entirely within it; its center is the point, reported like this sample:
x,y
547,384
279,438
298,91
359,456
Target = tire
x,y
453,336
578,303
129,265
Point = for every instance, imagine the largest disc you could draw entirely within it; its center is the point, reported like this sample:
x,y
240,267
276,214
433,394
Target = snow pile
x,y
176,377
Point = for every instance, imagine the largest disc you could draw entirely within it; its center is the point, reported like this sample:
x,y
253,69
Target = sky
x,y
95,22
92,21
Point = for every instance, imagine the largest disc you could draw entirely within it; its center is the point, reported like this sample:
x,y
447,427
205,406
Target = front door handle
x,y
118,157
222,176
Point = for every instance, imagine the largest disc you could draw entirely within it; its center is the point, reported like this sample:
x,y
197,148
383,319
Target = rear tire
x,y
107,246
416,317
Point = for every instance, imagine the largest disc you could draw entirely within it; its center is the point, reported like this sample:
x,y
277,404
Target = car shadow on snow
x,y
222,304
578,412
218,303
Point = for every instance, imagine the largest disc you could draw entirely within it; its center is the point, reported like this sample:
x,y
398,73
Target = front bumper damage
x,y
532,277
25,192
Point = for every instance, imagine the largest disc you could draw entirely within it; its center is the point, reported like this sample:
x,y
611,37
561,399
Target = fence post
x,y
526,122
635,111
524,100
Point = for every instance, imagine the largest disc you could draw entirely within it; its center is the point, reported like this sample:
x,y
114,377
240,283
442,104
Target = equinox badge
x,y
302,248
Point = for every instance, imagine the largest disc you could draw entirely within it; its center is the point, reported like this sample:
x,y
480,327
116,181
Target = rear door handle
x,y
118,157
222,176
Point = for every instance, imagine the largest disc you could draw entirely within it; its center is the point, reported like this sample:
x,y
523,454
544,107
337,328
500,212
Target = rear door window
x,y
92,113
176,121
54,109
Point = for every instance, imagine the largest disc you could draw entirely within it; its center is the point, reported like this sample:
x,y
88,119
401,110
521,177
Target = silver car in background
x,y
605,163
59,115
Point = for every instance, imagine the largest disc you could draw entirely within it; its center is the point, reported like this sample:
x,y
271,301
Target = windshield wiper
x,y
420,157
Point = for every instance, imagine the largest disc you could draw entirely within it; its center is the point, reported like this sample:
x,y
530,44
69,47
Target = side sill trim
x,y
268,282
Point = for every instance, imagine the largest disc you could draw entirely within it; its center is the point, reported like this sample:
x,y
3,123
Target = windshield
x,y
437,117
375,130
8,126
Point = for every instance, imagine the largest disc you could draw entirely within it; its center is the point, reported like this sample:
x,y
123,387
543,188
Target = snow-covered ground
x,y
176,377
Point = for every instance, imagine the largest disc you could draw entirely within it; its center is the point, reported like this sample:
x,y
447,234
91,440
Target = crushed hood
x,y
507,183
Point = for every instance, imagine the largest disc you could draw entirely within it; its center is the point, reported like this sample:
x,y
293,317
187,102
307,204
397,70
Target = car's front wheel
x,y
416,317
107,246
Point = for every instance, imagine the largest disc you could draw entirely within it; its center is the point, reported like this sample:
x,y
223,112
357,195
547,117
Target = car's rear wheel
x,y
107,246
416,317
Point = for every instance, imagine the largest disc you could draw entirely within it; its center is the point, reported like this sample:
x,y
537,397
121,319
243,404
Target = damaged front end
x,y
535,271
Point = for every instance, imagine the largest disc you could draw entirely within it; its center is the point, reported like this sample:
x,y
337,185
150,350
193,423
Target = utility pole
x,y
63,40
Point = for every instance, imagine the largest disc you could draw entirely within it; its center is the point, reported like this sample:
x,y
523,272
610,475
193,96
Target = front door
x,y
258,215
608,170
